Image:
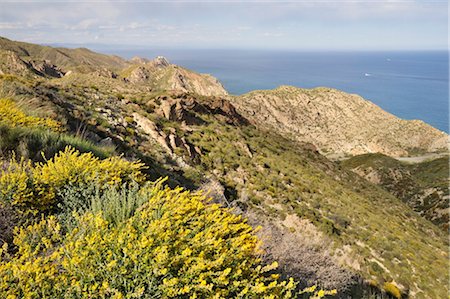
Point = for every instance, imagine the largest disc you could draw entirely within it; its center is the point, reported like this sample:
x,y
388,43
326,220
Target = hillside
x,y
34,61
338,123
81,59
423,186
322,223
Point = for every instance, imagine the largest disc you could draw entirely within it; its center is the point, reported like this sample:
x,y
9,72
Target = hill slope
x,y
32,61
324,224
338,123
80,59
423,186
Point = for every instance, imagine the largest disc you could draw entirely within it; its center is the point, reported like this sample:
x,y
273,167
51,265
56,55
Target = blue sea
x,y
410,85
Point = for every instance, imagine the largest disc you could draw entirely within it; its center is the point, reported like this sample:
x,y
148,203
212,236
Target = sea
x,y
408,84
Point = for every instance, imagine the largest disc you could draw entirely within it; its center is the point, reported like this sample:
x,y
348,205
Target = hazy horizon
x,y
246,25
112,48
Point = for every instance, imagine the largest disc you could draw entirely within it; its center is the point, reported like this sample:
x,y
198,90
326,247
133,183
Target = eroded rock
x,y
46,68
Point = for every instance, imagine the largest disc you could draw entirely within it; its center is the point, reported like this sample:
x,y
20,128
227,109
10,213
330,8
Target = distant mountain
x,y
80,59
338,123
27,59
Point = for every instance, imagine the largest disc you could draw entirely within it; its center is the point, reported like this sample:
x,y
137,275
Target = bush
x,y
115,204
392,290
11,115
25,185
176,246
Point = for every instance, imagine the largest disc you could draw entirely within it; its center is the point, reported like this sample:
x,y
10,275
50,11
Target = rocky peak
x,y
160,62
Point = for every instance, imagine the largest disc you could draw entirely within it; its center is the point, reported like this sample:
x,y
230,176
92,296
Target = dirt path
x,y
419,159
412,160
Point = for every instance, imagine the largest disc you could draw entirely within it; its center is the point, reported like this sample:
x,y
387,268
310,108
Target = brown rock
x,y
46,68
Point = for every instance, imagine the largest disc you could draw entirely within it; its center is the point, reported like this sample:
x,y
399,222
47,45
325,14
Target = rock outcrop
x,y
181,107
159,74
138,75
338,123
183,80
46,68
11,63
159,62
104,72
169,142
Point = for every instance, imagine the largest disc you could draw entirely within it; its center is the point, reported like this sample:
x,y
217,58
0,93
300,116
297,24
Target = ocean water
x,y
410,85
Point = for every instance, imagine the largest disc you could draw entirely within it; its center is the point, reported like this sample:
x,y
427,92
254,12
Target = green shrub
x,y
115,204
30,143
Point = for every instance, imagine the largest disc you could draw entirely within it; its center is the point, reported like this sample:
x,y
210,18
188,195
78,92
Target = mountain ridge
x,y
30,59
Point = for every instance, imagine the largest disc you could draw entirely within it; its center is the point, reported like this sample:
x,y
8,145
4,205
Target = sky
x,y
291,25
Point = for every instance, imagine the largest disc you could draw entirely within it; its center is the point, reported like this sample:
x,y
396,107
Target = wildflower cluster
x,y
12,116
25,185
392,290
147,241
175,246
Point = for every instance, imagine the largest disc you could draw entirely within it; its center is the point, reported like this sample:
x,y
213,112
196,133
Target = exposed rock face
x,y
80,59
170,142
46,68
214,190
152,130
181,107
104,72
186,109
139,74
202,84
160,62
159,74
337,122
220,106
12,63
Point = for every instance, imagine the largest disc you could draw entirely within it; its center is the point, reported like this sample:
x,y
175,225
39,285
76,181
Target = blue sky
x,y
293,25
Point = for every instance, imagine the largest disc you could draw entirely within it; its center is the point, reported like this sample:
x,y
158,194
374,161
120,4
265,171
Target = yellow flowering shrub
x,y
15,181
27,186
11,115
175,246
392,290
